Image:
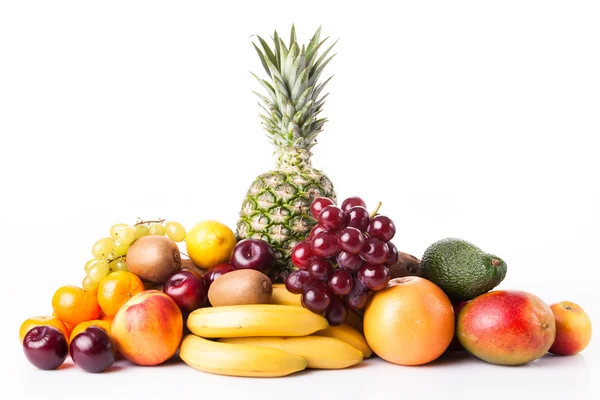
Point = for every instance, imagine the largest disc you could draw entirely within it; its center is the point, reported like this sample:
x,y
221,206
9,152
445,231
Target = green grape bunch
x,y
110,252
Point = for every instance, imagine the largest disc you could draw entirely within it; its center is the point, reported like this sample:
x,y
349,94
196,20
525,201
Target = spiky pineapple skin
x,y
277,209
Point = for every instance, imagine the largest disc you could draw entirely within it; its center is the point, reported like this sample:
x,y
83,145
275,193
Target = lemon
x,y
210,243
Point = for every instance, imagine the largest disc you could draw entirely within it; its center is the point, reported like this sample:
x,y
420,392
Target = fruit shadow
x,y
451,358
66,365
114,368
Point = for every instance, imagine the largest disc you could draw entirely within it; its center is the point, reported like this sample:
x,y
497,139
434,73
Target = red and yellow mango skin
x,y
506,327
573,328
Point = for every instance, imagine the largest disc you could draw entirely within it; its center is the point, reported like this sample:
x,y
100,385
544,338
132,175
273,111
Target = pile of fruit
x,y
301,283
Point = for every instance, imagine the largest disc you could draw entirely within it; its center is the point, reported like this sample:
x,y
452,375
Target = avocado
x,y
461,269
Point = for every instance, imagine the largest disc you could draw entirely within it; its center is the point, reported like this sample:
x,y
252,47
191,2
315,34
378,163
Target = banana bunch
x,y
268,340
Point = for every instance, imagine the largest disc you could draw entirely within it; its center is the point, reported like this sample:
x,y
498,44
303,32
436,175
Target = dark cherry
x,y
353,201
374,251
187,289
320,269
93,350
340,282
350,262
302,255
319,204
337,311
351,240
358,217
316,297
374,277
253,254
45,347
332,218
382,228
325,245
214,272
392,255
298,280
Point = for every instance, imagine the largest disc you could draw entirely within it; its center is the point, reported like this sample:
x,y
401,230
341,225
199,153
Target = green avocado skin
x,y
461,269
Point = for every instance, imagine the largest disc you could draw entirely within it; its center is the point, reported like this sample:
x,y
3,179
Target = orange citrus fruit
x,y
44,320
210,243
82,326
116,289
74,305
68,326
410,322
107,318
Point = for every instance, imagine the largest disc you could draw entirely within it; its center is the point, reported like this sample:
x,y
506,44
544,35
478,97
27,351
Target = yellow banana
x,y
281,296
238,359
254,320
319,351
345,332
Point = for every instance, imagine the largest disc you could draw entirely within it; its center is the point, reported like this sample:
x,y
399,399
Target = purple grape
x,y
351,240
297,281
353,201
332,218
337,311
374,251
325,245
318,205
340,282
392,256
358,217
349,262
358,296
302,255
314,232
316,297
320,269
382,228
374,277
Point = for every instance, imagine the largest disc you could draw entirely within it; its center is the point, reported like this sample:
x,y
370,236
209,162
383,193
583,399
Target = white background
x,y
470,119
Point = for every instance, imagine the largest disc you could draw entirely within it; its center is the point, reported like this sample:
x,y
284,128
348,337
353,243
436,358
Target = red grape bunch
x,y
345,256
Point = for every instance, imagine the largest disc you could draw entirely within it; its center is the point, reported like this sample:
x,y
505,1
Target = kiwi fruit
x,y
153,258
243,286
187,264
407,265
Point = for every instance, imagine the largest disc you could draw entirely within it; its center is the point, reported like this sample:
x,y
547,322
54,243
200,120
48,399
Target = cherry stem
x,y
142,222
375,210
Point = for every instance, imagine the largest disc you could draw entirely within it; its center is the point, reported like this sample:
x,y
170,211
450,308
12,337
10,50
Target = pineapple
x,y
277,205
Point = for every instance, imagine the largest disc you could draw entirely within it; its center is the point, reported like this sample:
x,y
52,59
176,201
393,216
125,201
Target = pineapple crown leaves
x,y
292,104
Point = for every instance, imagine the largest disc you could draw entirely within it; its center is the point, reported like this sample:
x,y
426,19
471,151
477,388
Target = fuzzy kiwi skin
x,y
153,258
243,286
407,265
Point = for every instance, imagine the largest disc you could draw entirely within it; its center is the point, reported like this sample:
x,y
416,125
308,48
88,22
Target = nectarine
x,y
148,328
573,328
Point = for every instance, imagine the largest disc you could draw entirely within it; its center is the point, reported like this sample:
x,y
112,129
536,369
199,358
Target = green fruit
x,y
461,269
